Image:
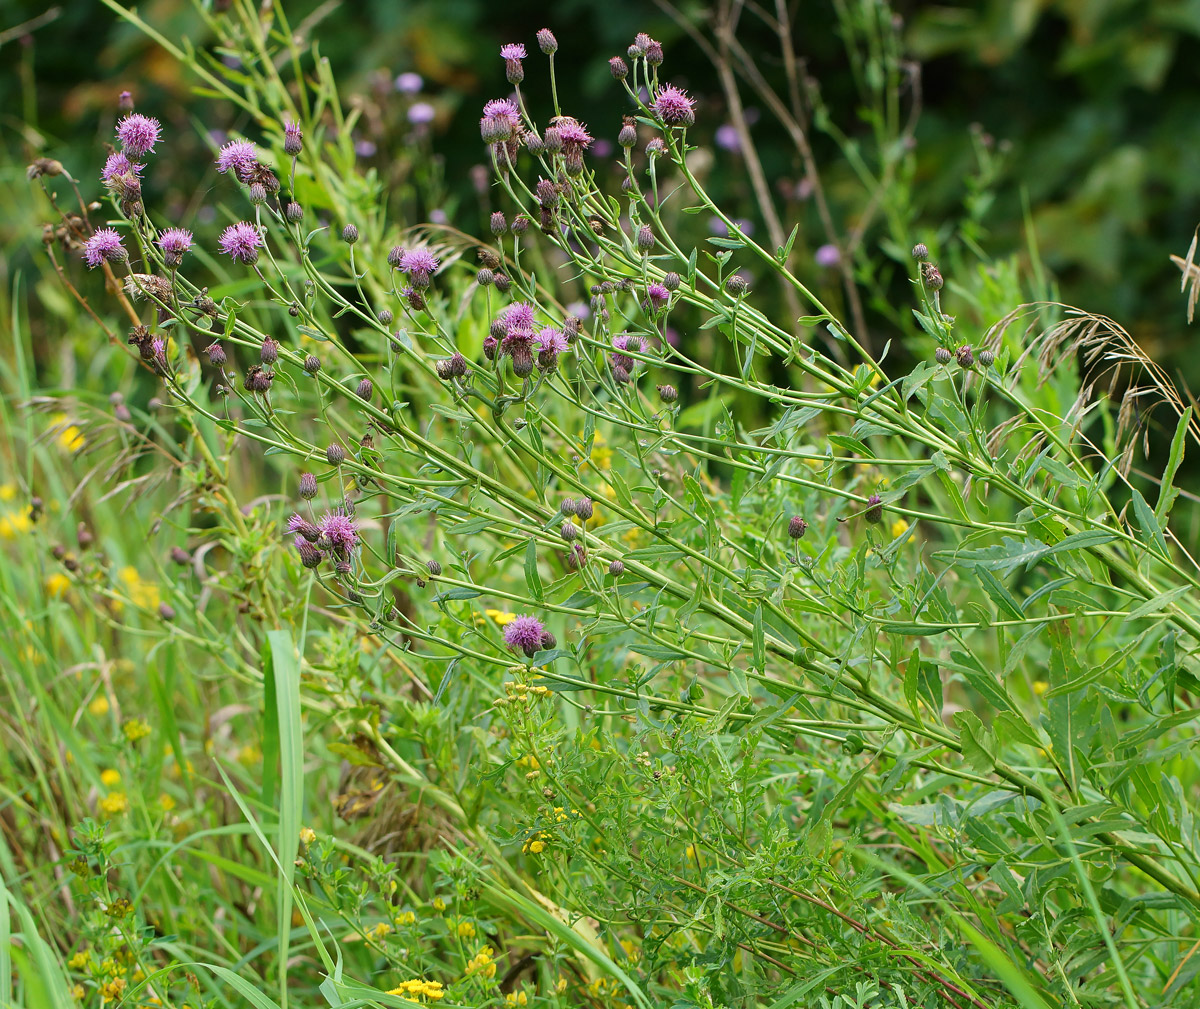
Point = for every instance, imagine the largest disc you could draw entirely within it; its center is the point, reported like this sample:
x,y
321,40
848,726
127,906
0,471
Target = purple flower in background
x,y
673,107
421,114
420,265
409,83
138,134
365,148
241,242
438,216
524,634
602,148
579,309
339,531
104,245
827,255
237,156
727,138
174,242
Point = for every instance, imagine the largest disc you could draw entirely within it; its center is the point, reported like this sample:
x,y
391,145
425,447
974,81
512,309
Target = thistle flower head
x,y
524,634
673,106
420,265
239,157
547,43
293,139
138,134
118,168
501,121
339,531
241,242
174,242
104,245
513,51
310,556
409,83
658,295
518,316
574,135
551,339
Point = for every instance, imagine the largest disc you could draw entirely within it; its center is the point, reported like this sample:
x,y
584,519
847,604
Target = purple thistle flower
x,y
573,134
409,83
727,138
518,316
174,242
310,556
524,634
827,255
339,531
512,51
549,338
621,343
241,242
420,265
104,245
299,525
673,107
501,121
138,134
658,296
239,157
293,139
117,168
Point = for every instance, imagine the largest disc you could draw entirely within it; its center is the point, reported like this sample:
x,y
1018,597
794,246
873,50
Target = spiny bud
x,y
547,43
503,282
349,234
498,223
628,136
520,225
987,358
931,276
672,281
736,285
618,68
568,506
293,139
258,379
335,455
216,354
434,567
294,212
365,388
797,526
942,355
385,316
484,277
548,641
645,238
874,512
964,356
395,254
268,353
920,252
552,139
616,569
668,393
308,486
654,54
583,508
312,364
258,194
569,531
310,556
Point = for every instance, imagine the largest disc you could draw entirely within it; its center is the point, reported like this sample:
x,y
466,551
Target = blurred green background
x,y
1083,107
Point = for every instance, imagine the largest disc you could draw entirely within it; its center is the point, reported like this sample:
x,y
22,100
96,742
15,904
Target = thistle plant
x,y
732,664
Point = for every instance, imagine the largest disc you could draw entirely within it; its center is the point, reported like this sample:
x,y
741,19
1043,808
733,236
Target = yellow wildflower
x,y
1040,687
136,728
307,835
68,436
114,804
8,491
110,776
78,992
79,960
99,705
501,617
405,918
379,931
165,802
113,989
899,528
15,523
439,904
516,998
144,594
57,585
249,755
481,963
466,930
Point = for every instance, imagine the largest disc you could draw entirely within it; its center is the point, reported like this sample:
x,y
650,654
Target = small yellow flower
x,y
8,491
79,960
537,847
466,930
249,755
110,776
516,998
377,932
113,989
114,804
165,802
405,918
144,594
1040,687
501,617
899,528
307,835
57,585
14,524
68,436
439,904
136,728
99,705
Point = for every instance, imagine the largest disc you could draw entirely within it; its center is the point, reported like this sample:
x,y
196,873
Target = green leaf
x,y
532,579
1167,492
1149,524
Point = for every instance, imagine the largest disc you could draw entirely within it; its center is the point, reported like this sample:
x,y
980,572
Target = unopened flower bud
x,y
498,223
308,486
258,194
394,256
166,612
365,388
668,393
547,43
932,277
520,225
125,101
671,281
312,364
645,238
484,277
294,212
736,285
293,139
618,68
964,356
920,252
434,567
503,282
797,526
987,358
584,508
654,54
335,455
569,531
552,139
349,234
180,556
268,353
942,355
628,136
216,354
874,512
616,569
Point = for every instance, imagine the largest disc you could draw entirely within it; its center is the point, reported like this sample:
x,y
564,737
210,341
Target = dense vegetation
x,y
647,568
